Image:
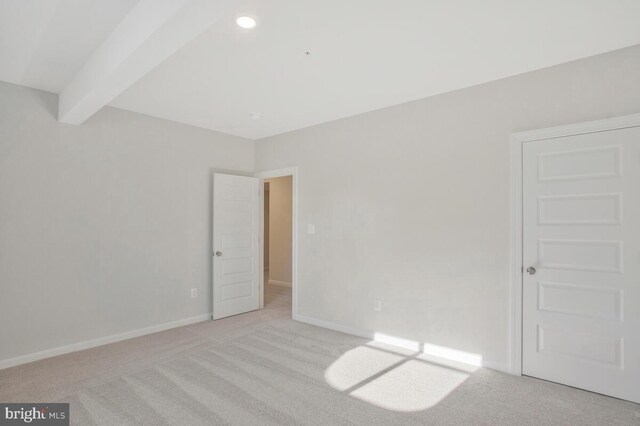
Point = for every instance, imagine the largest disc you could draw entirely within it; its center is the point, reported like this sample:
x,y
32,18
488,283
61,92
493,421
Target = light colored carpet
x,y
263,368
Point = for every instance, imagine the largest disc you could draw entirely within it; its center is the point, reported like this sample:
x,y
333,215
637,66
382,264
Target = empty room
x,y
354,212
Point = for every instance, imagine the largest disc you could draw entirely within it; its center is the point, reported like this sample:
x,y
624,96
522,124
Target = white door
x,y
581,233
236,215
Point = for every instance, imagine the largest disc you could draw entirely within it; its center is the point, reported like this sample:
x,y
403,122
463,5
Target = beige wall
x,y
266,226
280,203
411,203
104,227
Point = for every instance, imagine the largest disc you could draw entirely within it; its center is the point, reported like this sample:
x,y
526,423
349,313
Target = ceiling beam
x,y
151,32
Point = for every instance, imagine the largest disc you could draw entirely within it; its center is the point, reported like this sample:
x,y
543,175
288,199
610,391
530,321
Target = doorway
x,y
278,245
277,242
576,307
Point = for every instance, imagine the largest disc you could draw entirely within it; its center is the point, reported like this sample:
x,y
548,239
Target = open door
x,y
236,244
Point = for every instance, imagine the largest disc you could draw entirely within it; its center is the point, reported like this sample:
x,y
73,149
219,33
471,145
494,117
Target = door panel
x,y
581,232
235,244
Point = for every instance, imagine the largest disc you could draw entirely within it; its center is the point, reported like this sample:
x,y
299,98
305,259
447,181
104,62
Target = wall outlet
x,y
377,305
194,293
311,228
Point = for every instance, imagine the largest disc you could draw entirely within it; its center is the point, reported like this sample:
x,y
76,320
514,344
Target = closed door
x,y
581,246
236,202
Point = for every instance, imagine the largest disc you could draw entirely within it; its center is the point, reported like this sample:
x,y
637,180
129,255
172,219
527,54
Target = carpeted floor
x,y
263,368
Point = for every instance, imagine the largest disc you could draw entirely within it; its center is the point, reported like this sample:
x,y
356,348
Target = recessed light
x,y
246,22
255,116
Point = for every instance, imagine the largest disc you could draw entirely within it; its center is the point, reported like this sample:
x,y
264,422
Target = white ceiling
x,y
43,43
364,54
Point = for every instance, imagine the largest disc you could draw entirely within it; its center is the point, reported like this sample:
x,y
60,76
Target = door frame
x,y
293,172
516,143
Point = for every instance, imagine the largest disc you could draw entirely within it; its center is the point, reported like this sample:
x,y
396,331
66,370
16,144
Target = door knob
x,y
218,253
531,270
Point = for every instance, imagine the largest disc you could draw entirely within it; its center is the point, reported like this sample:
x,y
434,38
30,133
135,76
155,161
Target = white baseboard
x,y
433,350
334,326
280,283
396,341
88,344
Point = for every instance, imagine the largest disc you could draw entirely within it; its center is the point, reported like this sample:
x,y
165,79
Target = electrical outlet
x,y
194,293
377,305
311,228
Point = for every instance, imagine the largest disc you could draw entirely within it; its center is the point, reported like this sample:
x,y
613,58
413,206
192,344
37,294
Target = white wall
x,y
410,203
280,217
104,227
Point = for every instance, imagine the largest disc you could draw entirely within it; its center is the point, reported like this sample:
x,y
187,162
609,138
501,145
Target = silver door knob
x,y
218,253
531,270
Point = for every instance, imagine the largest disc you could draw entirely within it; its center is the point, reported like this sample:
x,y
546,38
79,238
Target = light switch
x,y
311,228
